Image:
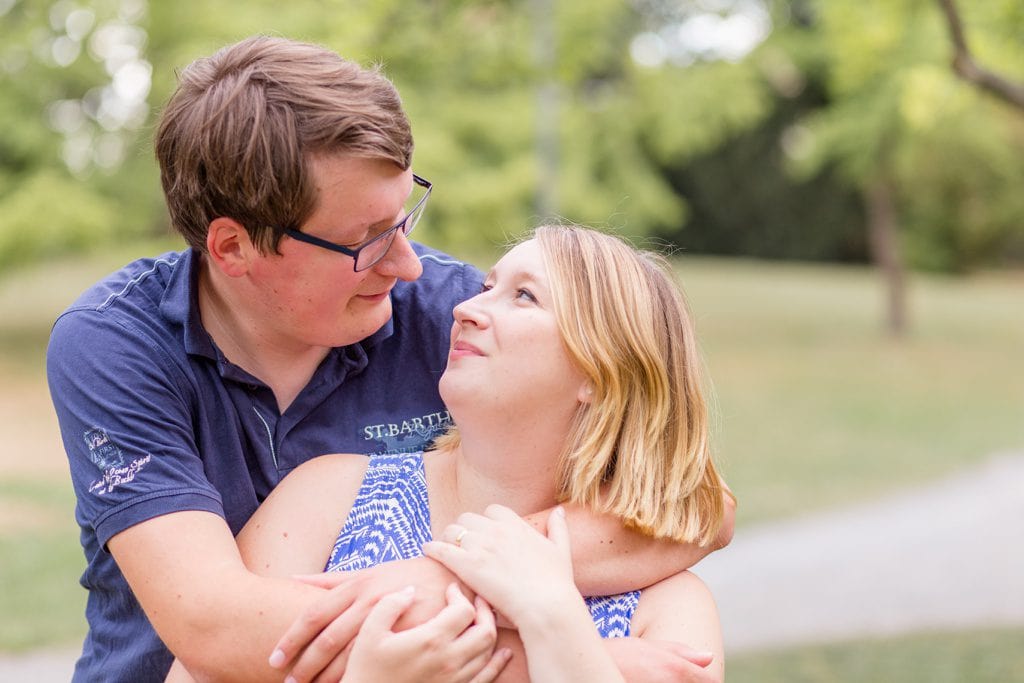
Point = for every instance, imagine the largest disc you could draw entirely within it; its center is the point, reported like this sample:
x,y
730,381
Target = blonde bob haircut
x,y
639,449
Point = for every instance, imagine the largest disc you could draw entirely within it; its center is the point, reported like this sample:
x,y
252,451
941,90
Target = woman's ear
x,y
586,393
230,248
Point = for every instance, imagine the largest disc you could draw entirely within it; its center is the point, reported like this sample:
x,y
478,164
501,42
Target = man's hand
x,y
657,661
316,642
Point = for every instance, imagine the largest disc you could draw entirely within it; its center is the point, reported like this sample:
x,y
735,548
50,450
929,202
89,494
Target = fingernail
x,y
277,658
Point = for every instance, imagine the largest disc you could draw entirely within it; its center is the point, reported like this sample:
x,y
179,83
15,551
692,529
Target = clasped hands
x,y
414,620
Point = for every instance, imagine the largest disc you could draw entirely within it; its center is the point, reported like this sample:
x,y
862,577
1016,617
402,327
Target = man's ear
x,y
230,248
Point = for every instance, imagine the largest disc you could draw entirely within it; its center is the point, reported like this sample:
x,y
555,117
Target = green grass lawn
x,y
41,603
815,407
995,656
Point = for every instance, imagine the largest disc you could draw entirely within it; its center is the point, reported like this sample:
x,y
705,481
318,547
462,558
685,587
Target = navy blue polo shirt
x,y
155,420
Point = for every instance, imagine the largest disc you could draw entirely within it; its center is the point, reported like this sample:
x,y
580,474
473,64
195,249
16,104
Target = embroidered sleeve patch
x,y
103,452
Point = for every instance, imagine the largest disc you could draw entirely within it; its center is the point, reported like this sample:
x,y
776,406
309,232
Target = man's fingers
x,y
336,669
308,625
326,580
699,657
328,644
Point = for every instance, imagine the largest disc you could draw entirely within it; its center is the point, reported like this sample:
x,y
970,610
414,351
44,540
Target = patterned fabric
x,y
390,520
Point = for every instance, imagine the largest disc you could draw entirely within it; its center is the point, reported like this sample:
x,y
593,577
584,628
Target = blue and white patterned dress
x,y
390,520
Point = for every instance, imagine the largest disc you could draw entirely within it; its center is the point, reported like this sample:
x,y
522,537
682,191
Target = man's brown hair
x,y
236,137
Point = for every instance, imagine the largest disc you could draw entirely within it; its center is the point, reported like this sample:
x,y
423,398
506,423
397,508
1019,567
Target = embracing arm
x,y
220,604
608,558
294,531
217,617
528,578
682,609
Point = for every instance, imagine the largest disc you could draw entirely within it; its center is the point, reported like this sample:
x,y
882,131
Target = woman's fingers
x,y
387,611
495,665
558,532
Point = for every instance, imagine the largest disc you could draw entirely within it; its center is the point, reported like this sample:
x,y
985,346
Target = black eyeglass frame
x,y
388,234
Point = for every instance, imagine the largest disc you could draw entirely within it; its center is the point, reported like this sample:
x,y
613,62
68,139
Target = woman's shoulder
x,y
328,465
678,595
682,609
339,472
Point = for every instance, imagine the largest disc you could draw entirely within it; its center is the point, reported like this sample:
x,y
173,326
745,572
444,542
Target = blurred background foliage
x,y
767,129
730,127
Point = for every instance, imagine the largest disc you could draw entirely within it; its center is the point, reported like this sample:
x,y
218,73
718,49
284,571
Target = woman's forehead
x,y
525,259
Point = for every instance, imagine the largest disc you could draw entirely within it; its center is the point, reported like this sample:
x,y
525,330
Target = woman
x,y
573,376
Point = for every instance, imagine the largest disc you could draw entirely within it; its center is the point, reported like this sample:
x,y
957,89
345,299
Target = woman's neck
x,y
513,470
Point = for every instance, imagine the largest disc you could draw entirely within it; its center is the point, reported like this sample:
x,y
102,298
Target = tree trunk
x,y
545,56
883,241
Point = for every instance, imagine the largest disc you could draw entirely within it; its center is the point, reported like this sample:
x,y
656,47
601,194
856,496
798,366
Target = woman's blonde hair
x,y
639,450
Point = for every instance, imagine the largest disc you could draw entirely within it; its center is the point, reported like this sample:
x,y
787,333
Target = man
x,y
300,321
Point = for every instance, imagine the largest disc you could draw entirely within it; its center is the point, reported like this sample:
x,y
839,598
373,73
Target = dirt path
x,y
947,555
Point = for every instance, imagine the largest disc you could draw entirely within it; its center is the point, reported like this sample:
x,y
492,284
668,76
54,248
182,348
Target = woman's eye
x,y
522,293
485,288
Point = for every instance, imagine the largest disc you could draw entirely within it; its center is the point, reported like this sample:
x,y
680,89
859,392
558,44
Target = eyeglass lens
x,y
373,252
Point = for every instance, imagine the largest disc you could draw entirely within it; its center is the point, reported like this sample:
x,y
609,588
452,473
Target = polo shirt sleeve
x,y
124,406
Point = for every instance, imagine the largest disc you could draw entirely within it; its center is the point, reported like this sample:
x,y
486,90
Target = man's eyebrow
x,y
374,229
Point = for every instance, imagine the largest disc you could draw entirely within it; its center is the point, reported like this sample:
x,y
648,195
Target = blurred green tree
x,y
523,112
74,82
928,153
528,111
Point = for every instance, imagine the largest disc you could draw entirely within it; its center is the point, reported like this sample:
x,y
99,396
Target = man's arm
x,y
294,530
608,558
216,616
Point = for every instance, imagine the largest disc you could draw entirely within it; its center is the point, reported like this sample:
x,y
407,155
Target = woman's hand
x,y
455,646
516,569
528,578
316,646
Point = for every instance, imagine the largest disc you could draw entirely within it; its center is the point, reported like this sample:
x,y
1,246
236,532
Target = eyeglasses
x,y
367,254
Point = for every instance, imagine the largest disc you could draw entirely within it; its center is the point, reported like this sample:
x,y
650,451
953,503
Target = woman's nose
x,y
469,311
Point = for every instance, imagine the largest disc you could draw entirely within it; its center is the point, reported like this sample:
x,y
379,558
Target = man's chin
x,y
366,323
